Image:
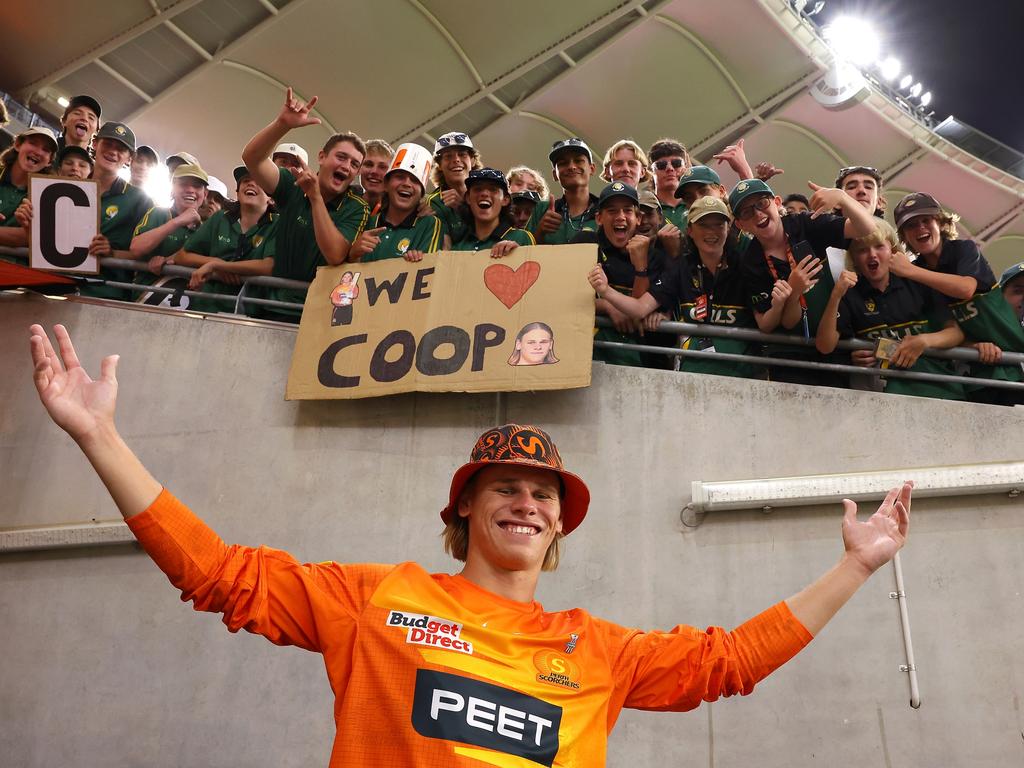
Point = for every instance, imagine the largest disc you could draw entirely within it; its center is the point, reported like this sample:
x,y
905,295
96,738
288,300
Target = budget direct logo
x,y
555,669
430,630
456,708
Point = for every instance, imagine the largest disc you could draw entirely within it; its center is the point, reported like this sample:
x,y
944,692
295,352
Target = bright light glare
x,y
906,81
158,186
916,90
63,101
890,68
854,40
926,99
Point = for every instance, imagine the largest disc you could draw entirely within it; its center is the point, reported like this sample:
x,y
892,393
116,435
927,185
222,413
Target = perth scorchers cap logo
x,y
519,443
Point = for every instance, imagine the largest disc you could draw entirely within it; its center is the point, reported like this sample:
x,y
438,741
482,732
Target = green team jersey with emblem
x,y
10,198
412,234
170,245
570,226
298,255
987,317
501,232
453,223
221,237
677,214
121,209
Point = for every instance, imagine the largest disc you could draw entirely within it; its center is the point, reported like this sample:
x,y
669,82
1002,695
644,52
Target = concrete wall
x,y
102,665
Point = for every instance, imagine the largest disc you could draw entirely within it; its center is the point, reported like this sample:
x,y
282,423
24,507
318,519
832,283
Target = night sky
x,y
969,54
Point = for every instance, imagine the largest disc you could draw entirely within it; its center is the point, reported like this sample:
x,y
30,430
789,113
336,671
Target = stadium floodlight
x,y
854,40
926,99
916,90
906,81
890,68
63,101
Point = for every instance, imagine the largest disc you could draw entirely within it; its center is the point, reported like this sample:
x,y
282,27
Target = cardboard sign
x,y
454,322
65,218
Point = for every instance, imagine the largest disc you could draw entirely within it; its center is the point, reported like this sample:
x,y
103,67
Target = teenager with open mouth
x,y
79,122
163,231
871,302
963,279
32,152
785,266
454,158
704,286
235,242
487,217
320,217
395,232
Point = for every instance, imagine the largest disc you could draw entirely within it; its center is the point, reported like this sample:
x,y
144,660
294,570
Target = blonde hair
x,y
516,174
379,147
456,536
883,233
645,171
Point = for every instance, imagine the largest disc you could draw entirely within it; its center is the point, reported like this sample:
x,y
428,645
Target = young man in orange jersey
x,y
467,669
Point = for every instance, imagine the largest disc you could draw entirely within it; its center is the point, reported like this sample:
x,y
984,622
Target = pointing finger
x,y
813,186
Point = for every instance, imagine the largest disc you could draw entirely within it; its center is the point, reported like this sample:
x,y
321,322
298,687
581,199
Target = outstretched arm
x,y
869,545
84,408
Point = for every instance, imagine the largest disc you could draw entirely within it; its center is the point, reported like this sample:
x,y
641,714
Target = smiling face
x,y
34,154
187,192
651,221
486,199
78,126
404,191
338,167
759,216
455,164
522,210
923,235
618,219
862,188
534,346
626,167
111,156
572,169
373,170
514,514
251,194
709,234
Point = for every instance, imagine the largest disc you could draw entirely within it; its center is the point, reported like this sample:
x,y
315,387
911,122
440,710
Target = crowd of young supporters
x,y
672,242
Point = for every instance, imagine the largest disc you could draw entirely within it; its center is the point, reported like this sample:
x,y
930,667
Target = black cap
x,y
494,176
867,170
916,204
117,132
71,149
145,149
84,101
574,144
617,189
240,173
525,195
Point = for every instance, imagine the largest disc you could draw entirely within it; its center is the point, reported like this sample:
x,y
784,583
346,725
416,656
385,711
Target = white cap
x,y
292,149
453,139
216,185
414,159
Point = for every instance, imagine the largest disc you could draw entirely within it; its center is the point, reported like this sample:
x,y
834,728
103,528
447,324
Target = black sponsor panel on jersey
x,y
456,708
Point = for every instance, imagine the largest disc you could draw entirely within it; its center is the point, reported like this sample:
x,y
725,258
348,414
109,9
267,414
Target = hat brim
x,y
926,211
573,148
710,212
574,502
609,198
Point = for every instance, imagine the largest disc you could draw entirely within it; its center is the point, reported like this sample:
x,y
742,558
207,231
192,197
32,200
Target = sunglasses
x,y
452,138
488,173
574,142
661,165
749,211
858,169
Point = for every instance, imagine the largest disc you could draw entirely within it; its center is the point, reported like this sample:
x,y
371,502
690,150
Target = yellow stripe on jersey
x,y
495,758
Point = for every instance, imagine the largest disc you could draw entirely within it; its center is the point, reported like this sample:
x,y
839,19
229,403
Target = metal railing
x,y
699,330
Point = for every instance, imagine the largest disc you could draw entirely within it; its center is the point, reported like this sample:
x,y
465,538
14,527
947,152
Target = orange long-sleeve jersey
x,y
431,670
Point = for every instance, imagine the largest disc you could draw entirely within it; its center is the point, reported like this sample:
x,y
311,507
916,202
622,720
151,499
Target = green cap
x,y
1009,274
617,189
697,174
117,132
745,189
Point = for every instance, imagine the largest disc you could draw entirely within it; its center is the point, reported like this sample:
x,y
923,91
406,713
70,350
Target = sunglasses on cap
x,y
573,142
844,172
455,138
661,165
749,211
488,173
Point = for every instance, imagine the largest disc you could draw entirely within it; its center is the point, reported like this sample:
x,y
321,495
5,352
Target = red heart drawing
x,y
510,285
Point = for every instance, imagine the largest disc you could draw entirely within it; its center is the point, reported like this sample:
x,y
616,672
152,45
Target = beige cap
x,y
188,171
39,130
708,205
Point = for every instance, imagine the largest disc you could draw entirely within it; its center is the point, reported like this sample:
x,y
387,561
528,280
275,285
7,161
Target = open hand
x,y
76,403
874,542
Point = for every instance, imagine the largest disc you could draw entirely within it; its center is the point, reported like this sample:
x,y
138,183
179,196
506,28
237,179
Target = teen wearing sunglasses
x,y
487,217
669,161
454,157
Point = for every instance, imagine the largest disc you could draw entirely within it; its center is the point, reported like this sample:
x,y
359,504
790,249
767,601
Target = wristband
x,y
639,272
